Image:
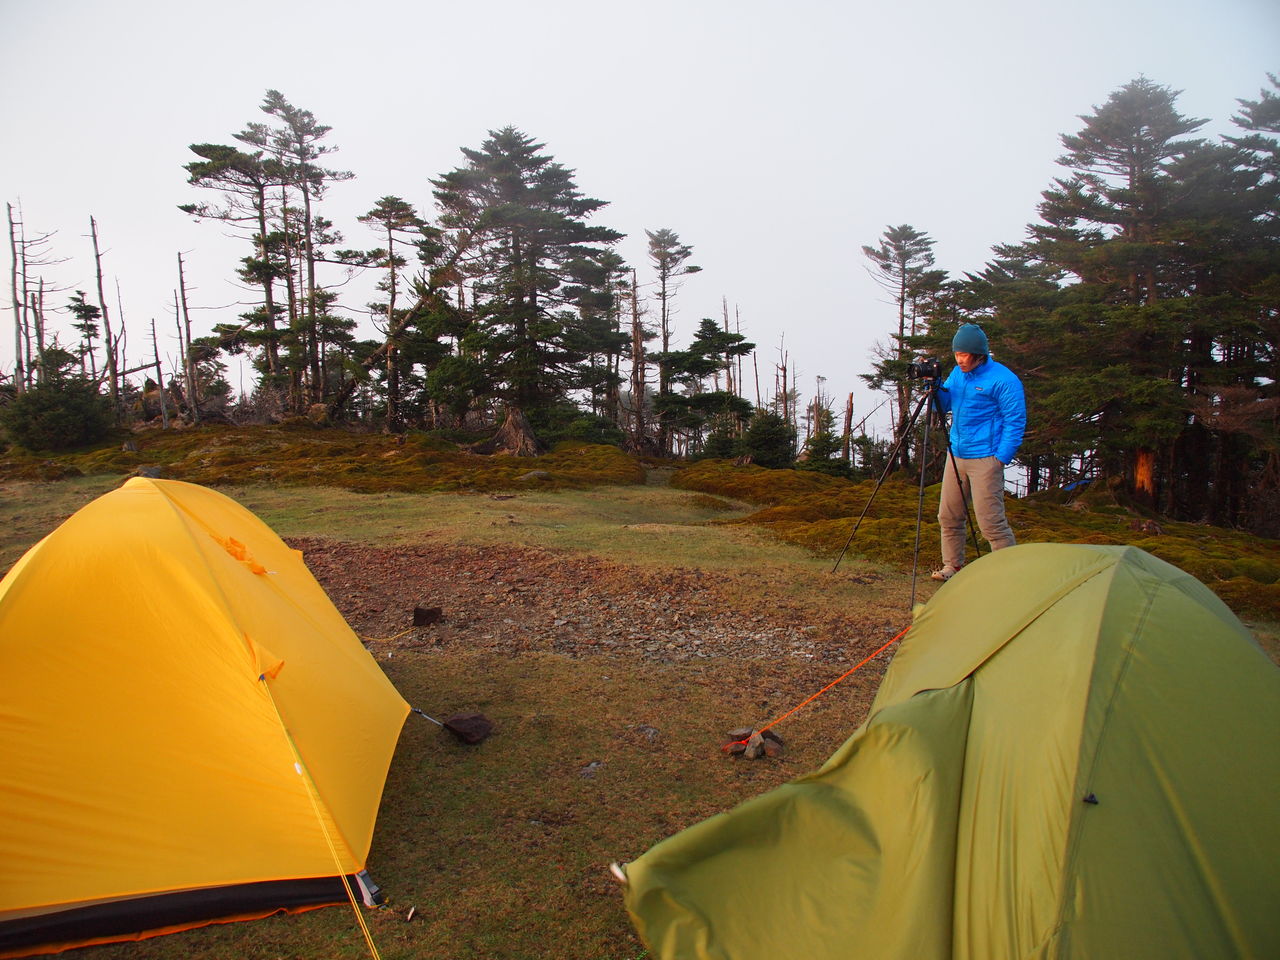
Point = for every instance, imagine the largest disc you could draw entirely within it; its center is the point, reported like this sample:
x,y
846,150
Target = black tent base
x,y
131,919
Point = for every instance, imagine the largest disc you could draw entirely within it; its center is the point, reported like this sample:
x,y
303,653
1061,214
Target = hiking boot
x,y
945,574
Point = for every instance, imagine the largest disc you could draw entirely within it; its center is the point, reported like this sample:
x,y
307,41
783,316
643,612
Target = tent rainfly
x,y
1075,753
189,729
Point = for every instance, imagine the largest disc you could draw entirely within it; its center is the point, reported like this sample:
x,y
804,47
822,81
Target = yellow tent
x,y
189,729
1074,754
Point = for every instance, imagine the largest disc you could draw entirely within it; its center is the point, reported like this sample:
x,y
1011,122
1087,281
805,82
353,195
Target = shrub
x,y
769,441
721,444
564,421
58,415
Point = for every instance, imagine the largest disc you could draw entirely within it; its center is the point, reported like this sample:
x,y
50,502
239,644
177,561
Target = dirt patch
x,y
517,599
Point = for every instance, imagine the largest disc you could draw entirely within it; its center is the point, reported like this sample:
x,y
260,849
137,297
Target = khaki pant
x,y
983,485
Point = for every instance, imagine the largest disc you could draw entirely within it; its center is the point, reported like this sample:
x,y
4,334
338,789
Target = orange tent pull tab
x,y
240,552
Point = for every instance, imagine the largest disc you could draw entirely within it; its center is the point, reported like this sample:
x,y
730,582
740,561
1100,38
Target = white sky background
x,y
776,139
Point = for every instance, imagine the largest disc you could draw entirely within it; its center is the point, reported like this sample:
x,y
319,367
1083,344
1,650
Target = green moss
x,y
1249,597
1263,571
304,453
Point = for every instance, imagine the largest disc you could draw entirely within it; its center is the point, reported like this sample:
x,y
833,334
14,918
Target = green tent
x,y
1074,754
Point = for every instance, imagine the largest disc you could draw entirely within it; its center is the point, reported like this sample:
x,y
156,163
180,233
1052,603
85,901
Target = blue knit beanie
x,y
970,339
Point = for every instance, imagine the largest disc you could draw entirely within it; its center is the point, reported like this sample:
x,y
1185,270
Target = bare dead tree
x,y
189,360
848,430
737,320
155,350
28,254
639,368
19,374
781,385
37,316
113,381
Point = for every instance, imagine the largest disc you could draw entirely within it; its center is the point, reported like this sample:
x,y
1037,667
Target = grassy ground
x,y
501,850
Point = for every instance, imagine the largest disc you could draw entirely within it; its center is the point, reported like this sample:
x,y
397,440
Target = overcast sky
x,y
775,138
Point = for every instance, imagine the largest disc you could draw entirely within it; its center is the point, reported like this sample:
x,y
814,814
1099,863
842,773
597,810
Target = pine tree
x,y
296,144
769,441
1119,191
902,264
396,221
689,414
822,449
517,223
86,322
670,261
1137,306
245,181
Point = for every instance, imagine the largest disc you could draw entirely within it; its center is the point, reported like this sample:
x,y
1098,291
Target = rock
x,y
425,616
591,769
752,743
535,475
469,727
1147,526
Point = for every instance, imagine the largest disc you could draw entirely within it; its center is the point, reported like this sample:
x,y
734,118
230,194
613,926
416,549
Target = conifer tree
x,y
1135,310
518,227
902,264
396,221
86,316
293,148
690,413
670,261
245,181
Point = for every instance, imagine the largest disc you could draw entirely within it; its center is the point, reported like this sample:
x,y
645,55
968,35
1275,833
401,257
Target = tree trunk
x,y
313,330
394,422
193,386
155,349
268,288
19,374
114,385
848,431
728,366
1144,475
515,437
291,299
638,370
37,314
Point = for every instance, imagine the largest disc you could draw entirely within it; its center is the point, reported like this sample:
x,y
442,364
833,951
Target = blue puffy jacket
x,y
988,411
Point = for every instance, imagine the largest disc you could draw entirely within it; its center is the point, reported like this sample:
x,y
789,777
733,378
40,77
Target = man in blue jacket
x,y
988,417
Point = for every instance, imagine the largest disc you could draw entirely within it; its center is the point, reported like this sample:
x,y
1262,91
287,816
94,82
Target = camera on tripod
x,y
924,368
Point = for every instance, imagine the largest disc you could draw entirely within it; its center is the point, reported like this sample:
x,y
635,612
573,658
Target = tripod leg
x,y
924,459
893,455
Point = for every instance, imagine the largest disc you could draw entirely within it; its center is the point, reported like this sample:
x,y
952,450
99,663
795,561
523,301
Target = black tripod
x,y
926,403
